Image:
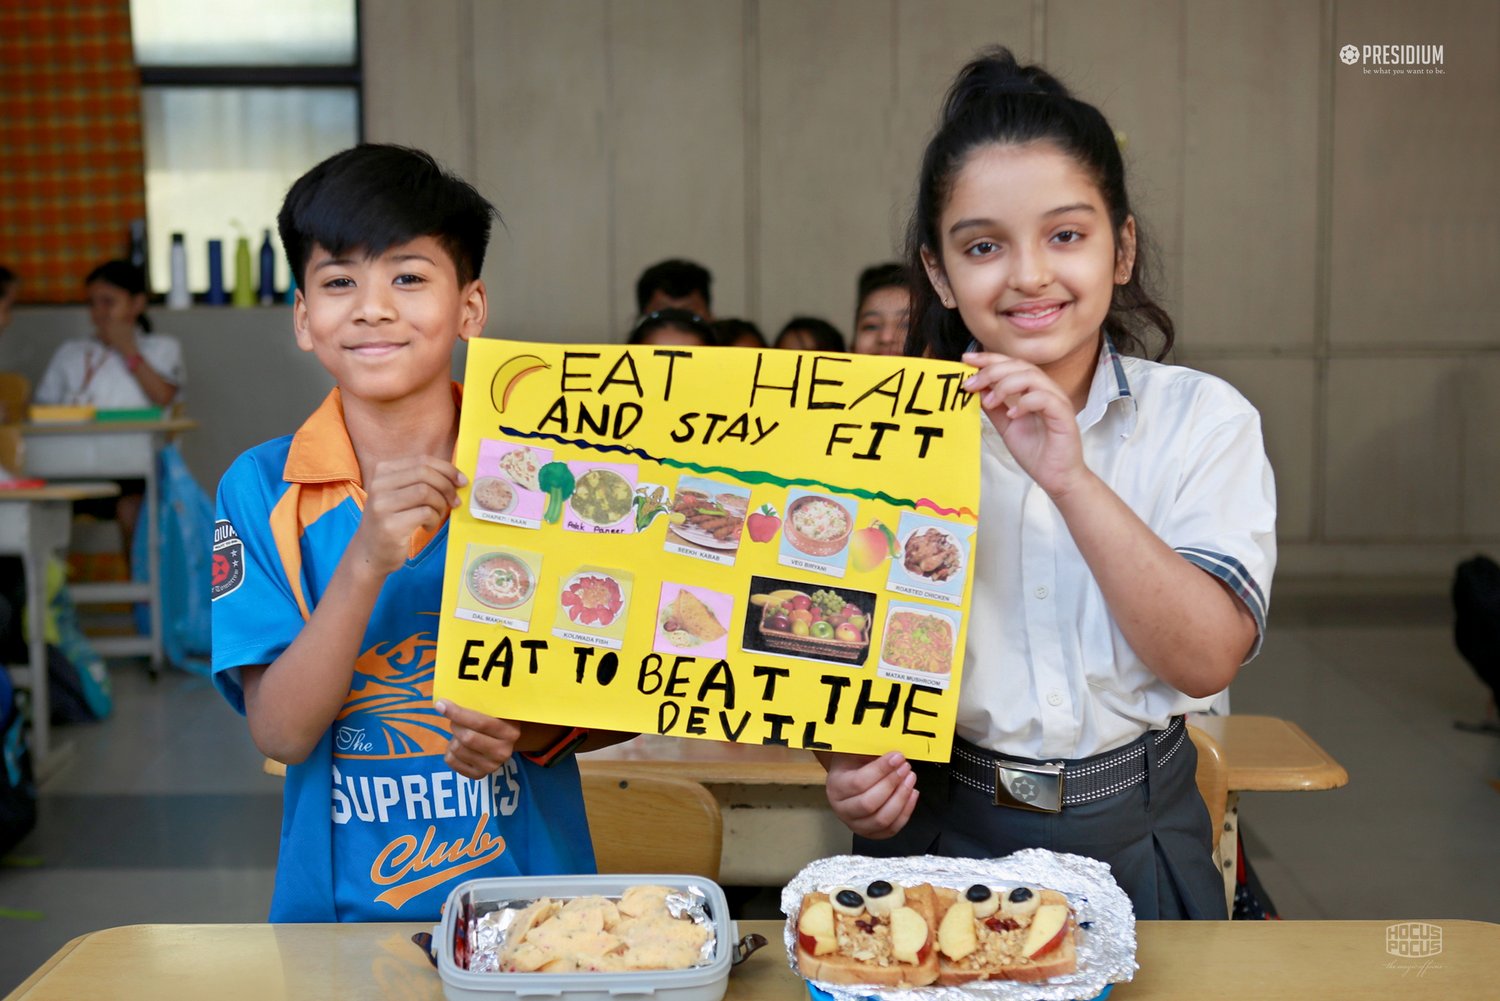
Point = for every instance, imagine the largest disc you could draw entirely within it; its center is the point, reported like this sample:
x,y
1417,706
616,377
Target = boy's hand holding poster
x,y
754,546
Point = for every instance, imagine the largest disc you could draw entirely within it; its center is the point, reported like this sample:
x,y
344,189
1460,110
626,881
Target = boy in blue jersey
x,y
328,568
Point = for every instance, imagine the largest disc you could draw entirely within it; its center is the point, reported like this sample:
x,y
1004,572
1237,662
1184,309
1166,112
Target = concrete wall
x,y
247,381
1327,235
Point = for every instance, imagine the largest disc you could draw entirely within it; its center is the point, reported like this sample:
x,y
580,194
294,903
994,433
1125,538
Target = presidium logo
x,y
1394,60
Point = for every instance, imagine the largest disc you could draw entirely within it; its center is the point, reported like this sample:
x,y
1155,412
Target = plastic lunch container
x,y
699,983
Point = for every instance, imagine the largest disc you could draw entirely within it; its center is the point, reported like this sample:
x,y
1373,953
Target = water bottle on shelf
x,y
267,271
215,295
244,288
178,296
136,252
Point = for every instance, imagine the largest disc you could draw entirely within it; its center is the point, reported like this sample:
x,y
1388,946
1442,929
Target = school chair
x,y
646,824
15,394
12,448
1213,786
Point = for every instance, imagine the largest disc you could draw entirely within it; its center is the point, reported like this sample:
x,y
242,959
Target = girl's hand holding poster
x,y
756,546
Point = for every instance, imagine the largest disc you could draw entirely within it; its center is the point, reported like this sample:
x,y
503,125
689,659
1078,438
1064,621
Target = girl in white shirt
x,y
123,366
1126,538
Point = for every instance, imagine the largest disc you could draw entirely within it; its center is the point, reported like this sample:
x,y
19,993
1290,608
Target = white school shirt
x,y
1047,672
87,372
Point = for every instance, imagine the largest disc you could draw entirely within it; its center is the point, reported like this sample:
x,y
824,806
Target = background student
x,y
671,326
675,284
1127,522
325,617
809,333
737,333
123,366
882,310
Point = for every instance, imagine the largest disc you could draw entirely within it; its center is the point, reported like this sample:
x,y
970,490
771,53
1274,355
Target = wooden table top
x,y
1265,754
70,491
1233,960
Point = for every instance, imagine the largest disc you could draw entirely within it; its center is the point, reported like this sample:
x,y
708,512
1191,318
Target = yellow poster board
x,y
760,546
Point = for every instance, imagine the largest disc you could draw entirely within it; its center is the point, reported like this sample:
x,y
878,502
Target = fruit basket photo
x,y
790,621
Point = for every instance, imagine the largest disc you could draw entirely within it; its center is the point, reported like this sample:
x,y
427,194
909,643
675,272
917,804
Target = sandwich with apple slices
x,y
881,935
993,934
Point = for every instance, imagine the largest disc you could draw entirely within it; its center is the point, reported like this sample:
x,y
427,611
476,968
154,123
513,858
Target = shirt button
x,y
1054,699
1041,592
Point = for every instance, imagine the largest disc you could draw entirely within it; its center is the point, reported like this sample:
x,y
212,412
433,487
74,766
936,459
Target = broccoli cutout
x,y
556,480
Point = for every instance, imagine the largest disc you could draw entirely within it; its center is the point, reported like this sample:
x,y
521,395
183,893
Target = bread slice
x,y
860,950
995,950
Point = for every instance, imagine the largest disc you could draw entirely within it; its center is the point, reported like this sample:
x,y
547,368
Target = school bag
x,y
1476,617
78,689
185,516
17,783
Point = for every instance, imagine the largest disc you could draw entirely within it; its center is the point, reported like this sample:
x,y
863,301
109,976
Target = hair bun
x,y
995,71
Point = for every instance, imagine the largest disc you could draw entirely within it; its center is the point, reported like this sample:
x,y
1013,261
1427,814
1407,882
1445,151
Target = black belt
x,y
1050,786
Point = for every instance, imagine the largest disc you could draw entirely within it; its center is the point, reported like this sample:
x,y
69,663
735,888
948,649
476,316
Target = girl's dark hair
x,y
125,276
675,319
995,100
825,336
7,281
728,330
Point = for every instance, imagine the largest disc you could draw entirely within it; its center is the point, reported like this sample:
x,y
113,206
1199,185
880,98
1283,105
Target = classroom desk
x,y
1179,961
774,795
35,523
124,449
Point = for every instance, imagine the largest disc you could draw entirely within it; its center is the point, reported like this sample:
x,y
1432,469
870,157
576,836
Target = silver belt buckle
x,y
1028,786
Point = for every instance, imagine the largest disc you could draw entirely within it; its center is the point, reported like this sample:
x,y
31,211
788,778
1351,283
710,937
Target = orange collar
x,y
321,451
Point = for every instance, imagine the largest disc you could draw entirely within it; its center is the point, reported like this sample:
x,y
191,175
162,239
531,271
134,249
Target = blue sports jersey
x,y
375,826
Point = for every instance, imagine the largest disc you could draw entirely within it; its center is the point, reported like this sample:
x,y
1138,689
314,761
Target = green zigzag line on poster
x,y
752,477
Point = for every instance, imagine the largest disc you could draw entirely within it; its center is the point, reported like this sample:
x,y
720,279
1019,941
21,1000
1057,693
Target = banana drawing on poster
x,y
755,546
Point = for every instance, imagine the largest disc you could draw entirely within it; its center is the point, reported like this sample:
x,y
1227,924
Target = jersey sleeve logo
x,y
228,561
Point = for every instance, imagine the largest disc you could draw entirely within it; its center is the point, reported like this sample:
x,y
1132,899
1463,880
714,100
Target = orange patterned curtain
x,y
71,171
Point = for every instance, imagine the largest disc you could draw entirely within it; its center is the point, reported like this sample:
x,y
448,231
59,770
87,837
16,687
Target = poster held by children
x,y
767,547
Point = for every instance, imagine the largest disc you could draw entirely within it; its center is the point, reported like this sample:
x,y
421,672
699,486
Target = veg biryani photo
x,y
818,525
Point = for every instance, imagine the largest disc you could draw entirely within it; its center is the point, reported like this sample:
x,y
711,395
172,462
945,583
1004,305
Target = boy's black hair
x,y
728,331
126,276
676,319
996,100
7,281
373,197
826,336
892,274
677,278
